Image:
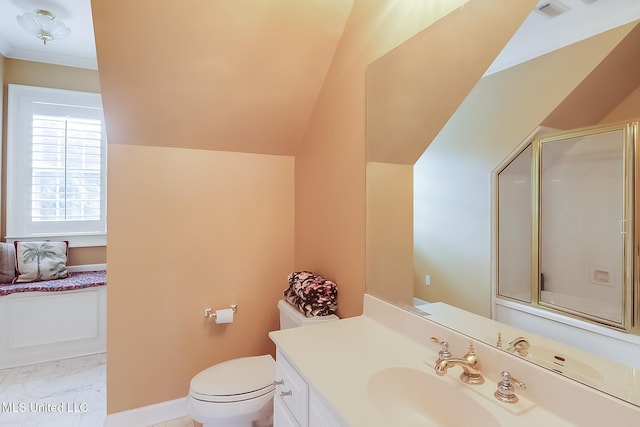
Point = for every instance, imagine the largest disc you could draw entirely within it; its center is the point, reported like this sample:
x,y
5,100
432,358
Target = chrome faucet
x,y
469,363
519,345
506,391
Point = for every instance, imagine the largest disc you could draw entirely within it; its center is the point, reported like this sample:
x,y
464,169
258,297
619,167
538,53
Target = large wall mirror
x,y
438,124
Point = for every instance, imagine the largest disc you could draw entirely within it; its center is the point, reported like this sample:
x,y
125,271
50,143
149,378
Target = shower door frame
x,y
630,319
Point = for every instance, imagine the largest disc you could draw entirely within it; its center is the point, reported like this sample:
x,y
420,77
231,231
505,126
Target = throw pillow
x,y
37,261
7,262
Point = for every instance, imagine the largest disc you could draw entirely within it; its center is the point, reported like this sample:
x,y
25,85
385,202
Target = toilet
x,y
239,392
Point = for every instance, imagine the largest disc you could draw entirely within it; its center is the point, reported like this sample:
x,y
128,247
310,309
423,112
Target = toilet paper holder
x,y
210,313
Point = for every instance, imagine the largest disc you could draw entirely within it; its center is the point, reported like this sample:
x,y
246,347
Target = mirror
x,y
434,204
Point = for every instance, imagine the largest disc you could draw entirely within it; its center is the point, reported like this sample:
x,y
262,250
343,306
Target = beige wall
x,y
48,75
54,76
455,215
190,229
390,232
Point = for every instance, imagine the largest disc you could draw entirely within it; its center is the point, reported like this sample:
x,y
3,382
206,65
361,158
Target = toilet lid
x,y
235,378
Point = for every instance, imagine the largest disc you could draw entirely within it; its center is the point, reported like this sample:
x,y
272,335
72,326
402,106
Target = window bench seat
x,y
76,280
53,319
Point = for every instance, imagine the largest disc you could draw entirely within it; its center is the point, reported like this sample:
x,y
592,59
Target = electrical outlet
x,y
427,280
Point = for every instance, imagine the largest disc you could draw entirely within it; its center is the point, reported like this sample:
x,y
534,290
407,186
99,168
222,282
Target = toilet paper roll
x,y
224,316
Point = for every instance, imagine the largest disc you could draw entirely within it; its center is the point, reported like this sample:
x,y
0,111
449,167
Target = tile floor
x,y
180,422
63,393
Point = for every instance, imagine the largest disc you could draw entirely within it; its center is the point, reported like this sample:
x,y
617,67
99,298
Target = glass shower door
x,y
514,228
584,208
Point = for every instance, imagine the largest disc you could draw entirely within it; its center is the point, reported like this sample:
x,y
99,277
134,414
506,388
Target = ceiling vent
x,y
551,9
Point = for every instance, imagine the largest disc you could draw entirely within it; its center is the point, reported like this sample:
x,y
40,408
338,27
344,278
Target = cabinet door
x,y
281,415
292,389
321,414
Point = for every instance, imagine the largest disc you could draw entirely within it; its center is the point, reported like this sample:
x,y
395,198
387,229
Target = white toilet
x,y
239,392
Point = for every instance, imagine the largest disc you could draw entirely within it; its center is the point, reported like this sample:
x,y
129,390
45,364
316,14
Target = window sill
x,y
75,240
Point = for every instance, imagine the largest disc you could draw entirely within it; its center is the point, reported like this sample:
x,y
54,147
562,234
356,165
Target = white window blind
x,y
56,169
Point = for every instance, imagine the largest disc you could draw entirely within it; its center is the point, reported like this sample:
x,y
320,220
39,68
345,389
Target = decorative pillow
x,y
7,262
37,261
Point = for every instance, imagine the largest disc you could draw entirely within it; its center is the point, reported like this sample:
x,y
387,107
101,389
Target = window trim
x,y
19,111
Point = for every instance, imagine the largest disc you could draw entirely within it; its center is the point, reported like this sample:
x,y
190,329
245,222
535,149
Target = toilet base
x,y
267,422
201,413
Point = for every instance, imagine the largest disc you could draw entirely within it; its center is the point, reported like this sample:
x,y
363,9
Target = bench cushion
x,y
75,280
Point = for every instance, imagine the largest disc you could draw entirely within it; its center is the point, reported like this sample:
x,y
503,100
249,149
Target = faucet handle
x,y
506,391
472,349
444,348
519,345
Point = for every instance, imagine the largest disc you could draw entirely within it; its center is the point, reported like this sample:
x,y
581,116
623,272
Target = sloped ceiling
x,y
603,89
238,75
224,75
413,90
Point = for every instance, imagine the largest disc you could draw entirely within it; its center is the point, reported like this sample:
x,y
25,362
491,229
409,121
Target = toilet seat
x,y
235,380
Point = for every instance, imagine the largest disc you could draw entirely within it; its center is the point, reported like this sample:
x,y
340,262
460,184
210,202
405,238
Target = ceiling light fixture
x,y
44,25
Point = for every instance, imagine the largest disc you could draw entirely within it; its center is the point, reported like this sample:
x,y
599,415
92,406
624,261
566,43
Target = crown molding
x,y
50,58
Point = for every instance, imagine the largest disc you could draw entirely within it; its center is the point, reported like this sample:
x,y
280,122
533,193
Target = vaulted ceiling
x,y
609,84
237,76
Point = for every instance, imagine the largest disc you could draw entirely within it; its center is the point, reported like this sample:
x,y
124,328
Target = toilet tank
x,y
291,317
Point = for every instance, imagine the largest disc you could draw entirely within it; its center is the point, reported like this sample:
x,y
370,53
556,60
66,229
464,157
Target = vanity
x,y
378,370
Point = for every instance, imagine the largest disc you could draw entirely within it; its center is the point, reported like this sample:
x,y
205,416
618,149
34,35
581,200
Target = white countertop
x,y
339,359
614,378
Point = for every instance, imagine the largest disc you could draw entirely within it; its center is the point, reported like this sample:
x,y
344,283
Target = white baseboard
x,y
148,415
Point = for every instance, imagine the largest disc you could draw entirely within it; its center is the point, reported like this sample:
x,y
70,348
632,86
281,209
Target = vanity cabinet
x,y
320,414
281,415
296,403
292,394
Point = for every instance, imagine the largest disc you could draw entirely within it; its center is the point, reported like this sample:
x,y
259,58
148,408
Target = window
x,y
56,166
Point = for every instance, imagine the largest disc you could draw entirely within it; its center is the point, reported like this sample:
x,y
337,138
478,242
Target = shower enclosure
x,y
564,225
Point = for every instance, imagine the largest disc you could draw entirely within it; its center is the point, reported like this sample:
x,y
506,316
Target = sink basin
x,y
410,397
